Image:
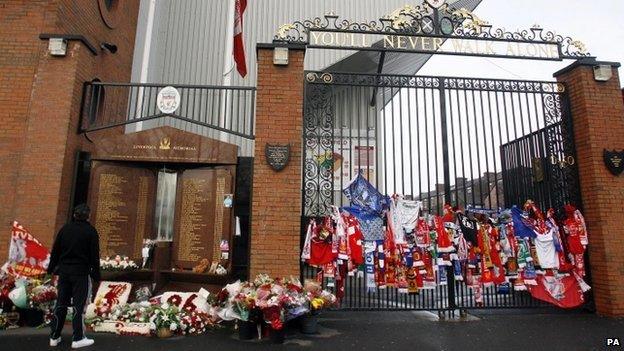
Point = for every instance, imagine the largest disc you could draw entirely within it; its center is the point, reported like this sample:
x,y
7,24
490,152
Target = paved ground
x,y
351,331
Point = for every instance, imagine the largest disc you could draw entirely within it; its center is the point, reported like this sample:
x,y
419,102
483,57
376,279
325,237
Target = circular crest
x,y
168,100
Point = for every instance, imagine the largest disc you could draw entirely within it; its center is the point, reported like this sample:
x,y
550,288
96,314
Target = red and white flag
x,y
27,256
239,49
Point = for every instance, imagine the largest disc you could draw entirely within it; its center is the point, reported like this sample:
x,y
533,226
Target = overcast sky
x,y
598,24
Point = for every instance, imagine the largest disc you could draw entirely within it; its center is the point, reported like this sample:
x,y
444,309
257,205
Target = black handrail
x,y
226,109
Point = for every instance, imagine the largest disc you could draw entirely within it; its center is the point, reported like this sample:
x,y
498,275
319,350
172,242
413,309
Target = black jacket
x,y
76,251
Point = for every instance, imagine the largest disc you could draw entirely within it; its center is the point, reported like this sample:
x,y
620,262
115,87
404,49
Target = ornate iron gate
x,y
468,142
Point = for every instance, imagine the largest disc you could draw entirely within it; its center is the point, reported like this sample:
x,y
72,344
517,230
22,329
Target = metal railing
x,y
227,109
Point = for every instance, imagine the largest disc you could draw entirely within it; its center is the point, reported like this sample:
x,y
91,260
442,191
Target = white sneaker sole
x,y
75,346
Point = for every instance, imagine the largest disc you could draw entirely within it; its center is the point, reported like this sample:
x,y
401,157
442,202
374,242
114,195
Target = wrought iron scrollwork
x,y
447,22
552,108
318,136
503,85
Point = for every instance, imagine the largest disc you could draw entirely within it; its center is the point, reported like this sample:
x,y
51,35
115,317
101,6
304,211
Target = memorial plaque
x,y
224,216
277,156
122,199
614,160
164,144
195,206
202,220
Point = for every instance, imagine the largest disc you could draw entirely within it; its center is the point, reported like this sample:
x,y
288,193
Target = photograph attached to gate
x,y
478,145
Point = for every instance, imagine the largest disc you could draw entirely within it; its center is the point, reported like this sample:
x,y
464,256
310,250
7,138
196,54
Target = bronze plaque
x,y
202,220
277,156
194,225
122,200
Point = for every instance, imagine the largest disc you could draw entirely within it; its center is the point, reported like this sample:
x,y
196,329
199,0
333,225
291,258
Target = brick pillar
x,y
276,197
598,119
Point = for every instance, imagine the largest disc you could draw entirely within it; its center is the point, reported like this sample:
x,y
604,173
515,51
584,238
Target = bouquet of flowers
x,y
165,317
42,296
244,303
137,312
118,263
195,322
317,297
7,283
294,299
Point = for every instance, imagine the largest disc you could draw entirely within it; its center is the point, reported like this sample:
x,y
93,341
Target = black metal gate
x,y
469,142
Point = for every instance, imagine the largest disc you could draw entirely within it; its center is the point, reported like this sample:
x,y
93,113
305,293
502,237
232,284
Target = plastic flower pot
x,y
164,333
309,324
277,336
246,330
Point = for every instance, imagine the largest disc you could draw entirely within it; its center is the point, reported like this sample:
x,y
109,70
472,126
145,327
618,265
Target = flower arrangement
x,y
118,263
42,296
195,322
137,312
165,317
317,297
273,300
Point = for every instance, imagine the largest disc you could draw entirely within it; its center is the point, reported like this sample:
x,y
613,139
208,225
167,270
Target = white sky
x,y
598,24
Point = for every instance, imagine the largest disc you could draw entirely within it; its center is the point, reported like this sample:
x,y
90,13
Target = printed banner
x,y
562,291
27,256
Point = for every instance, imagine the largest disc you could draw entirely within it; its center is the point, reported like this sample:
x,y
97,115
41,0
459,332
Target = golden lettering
x,y
530,50
414,42
388,41
457,45
554,51
489,48
364,41
325,40
426,43
315,38
510,50
342,36
401,42
437,43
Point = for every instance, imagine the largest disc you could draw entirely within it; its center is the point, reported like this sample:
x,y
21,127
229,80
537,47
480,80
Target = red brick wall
x,y
42,95
276,198
20,24
598,117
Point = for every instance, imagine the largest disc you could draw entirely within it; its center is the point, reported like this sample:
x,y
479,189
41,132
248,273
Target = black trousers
x,y
73,290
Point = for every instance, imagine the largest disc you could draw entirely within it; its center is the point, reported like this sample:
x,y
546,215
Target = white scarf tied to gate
x,y
305,252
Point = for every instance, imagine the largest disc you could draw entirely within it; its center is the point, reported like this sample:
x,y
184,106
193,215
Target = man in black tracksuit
x,y
75,257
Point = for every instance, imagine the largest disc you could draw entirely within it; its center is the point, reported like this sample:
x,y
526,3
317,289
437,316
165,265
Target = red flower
x,y
175,300
277,324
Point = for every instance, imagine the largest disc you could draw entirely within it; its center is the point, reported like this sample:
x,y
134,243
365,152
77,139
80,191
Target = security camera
x,y
112,48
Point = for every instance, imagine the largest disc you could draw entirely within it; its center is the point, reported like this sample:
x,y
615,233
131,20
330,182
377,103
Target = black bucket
x,y
309,324
247,330
31,317
277,336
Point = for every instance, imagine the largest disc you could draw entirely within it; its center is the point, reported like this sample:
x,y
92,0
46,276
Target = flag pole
x,y
147,47
228,67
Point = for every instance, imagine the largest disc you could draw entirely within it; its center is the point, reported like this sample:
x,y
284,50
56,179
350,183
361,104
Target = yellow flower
x,y
317,303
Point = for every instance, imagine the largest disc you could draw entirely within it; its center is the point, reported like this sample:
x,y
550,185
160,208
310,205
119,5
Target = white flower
x,y
152,326
165,306
173,327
